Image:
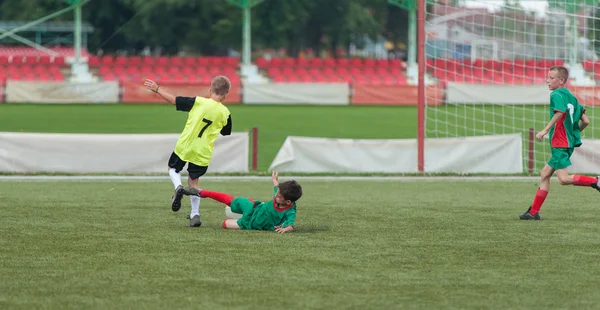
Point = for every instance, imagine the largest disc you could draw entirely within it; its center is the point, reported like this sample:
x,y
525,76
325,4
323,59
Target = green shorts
x,y
245,207
560,158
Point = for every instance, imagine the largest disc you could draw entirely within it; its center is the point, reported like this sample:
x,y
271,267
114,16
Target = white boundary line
x,y
43,178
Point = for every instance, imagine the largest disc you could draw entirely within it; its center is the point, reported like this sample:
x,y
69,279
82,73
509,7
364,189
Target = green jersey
x,y
565,133
264,215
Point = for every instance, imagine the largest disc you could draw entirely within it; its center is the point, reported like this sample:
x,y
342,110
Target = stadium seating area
x,y
329,70
164,69
24,63
594,67
517,71
31,68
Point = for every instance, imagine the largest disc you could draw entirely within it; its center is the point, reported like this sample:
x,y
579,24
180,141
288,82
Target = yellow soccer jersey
x,y
206,119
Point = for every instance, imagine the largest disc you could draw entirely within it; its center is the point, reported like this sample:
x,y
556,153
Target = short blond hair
x,y
220,85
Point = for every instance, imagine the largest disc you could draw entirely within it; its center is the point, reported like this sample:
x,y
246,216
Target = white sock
x,y
195,206
175,177
231,215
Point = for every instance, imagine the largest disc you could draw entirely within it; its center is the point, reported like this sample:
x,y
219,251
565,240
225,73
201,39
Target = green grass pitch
x,y
359,245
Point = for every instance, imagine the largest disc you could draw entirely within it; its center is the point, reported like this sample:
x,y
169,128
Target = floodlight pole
x,y
411,7
247,6
78,5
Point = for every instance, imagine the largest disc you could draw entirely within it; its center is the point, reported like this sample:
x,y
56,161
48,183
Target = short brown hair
x,y
290,190
562,71
220,85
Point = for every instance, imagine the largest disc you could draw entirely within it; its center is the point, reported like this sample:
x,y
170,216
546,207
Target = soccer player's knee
x,y
232,215
563,180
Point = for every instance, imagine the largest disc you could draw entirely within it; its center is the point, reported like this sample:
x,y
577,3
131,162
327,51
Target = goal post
x,y
491,59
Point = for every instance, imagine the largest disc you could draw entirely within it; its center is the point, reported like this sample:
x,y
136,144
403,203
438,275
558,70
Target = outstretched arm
x,y
275,177
151,85
557,115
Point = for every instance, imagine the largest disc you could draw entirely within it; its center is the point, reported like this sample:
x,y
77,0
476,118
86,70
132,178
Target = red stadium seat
x,y
162,61
341,71
316,62
369,62
201,70
93,61
329,62
134,61
4,60
302,62
261,62
382,63
176,61
306,78
343,62
189,61
132,70
278,79
217,61
289,62
120,61
44,60
276,62
187,70
40,69
107,60
118,70
368,71
109,77
148,61
232,61
356,62
59,60
173,70
203,61
193,78
588,65
396,63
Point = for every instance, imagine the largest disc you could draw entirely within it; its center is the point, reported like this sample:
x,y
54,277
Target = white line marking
x,y
49,178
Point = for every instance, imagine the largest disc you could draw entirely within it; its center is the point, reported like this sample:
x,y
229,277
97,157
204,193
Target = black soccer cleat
x,y
596,186
529,216
195,221
176,200
192,191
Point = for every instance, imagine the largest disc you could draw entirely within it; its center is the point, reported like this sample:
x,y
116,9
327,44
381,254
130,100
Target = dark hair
x,y
290,190
220,85
562,71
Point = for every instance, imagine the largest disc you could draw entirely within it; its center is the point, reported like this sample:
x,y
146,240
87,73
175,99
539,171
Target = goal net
x,y
491,59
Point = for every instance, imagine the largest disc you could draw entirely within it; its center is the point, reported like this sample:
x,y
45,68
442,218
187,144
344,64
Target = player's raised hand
x,y
151,85
540,135
275,177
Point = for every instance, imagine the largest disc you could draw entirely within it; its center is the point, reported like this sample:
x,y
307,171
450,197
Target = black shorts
x,y
194,170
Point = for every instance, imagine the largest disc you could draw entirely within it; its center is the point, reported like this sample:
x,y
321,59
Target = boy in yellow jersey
x,y
207,117
278,214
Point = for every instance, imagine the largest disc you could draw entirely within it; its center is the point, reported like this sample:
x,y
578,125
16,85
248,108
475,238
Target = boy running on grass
x,y
278,214
207,118
565,135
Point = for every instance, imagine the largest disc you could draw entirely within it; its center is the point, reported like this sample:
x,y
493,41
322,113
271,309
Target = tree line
x,y
213,27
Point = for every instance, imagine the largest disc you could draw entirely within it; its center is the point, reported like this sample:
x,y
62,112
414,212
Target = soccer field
x,y
359,245
275,123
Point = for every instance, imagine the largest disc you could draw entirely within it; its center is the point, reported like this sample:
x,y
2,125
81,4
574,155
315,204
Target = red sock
x,y
582,180
220,197
540,196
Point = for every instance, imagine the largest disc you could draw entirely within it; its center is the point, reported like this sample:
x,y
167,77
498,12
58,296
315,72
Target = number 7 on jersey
x,y
208,123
